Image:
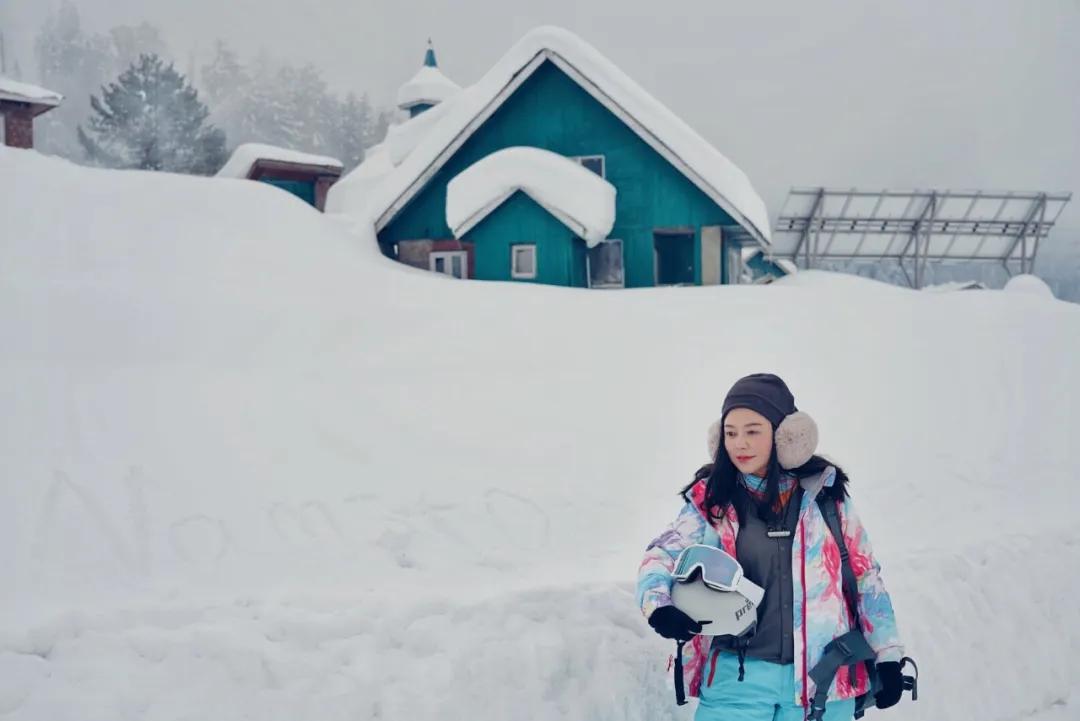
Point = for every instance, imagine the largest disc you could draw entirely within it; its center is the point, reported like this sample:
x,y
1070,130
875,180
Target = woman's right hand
x,y
672,623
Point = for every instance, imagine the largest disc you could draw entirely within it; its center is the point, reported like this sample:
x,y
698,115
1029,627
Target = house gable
x,y
551,110
521,220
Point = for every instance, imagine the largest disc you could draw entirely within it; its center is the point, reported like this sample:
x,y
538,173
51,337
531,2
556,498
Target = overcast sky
x,y
909,93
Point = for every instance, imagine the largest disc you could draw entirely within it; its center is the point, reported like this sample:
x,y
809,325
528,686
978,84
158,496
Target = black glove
x,y
892,684
672,623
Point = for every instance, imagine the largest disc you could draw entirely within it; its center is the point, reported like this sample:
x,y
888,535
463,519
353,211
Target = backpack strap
x,y
680,690
829,509
847,650
851,590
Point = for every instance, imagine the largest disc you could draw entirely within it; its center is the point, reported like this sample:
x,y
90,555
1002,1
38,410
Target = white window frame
x,y
603,162
448,256
588,266
514,250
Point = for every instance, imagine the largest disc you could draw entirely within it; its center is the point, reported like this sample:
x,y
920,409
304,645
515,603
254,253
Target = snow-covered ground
x,y
252,469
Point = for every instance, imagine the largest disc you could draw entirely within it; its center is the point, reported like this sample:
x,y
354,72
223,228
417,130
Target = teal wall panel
x,y
520,220
303,189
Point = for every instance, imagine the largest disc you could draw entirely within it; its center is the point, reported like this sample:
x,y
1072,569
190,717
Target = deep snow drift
x,y
252,469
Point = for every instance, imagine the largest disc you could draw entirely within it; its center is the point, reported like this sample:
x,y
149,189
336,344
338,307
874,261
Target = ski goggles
x,y
718,569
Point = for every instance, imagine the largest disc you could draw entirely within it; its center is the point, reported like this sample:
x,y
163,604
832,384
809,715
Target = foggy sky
x,y
906,93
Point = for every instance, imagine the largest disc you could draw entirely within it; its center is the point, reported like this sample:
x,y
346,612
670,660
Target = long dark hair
x,y
724,490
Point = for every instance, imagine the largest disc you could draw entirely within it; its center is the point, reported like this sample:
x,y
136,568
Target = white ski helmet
x,y
709,586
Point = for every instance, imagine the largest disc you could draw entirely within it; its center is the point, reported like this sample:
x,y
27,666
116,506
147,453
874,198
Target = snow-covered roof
x,y
429,86
465,112
402,138
352,194
247,154
27,93
579,198
363,180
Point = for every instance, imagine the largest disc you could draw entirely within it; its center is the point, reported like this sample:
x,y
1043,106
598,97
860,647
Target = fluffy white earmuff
x,y
796,440
714,439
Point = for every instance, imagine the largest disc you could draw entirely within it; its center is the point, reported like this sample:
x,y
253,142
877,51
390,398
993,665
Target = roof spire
x,y
428,86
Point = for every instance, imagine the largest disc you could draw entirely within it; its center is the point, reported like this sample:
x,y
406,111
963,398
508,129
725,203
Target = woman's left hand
x,y
892,684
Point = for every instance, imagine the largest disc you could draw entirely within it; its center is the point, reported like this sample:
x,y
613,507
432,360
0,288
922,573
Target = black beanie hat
x,y
764,393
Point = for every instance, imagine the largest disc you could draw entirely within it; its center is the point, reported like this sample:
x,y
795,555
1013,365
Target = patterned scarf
x,y
756,486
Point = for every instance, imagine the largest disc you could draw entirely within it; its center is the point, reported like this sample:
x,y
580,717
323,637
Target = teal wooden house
x,y
486,182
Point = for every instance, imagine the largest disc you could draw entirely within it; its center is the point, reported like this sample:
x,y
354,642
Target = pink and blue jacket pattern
x,y
819,608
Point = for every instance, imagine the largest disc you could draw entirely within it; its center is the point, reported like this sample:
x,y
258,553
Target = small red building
x,y
20,103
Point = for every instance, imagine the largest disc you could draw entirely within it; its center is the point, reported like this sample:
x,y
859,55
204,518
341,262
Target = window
x,y
523,262
594,163
450,262
605,265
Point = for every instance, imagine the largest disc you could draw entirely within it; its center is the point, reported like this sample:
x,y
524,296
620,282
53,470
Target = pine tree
x,y
130,41
266,101
353,119
223,75
152,119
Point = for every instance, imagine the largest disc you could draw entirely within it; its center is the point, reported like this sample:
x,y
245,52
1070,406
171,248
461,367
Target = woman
x,y
759,501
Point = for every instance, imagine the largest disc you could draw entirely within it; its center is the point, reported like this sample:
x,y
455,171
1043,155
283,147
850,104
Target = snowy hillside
x,y
252,469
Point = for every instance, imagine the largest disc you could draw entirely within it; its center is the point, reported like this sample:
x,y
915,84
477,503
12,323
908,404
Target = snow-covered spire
x,y
427,88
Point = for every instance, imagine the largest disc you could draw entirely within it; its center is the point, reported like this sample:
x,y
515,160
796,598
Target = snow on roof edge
x,y
25,92
246,155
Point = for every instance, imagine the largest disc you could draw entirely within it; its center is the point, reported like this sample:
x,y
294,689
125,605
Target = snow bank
x,y
247,154
1027,284
717,175
953,286
581,200
254,469
25,92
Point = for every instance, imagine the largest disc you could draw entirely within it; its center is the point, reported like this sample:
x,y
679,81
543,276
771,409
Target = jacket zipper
x,y
805,674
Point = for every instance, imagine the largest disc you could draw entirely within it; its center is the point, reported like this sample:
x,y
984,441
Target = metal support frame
x,y
920,238
1039,208
932,221
804,236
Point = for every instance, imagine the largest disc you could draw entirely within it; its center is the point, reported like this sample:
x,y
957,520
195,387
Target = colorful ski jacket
x,y
820,613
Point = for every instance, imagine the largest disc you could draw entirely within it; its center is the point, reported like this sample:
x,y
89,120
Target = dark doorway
x,y
674,257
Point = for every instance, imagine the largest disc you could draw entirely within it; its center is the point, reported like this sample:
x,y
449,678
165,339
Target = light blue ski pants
x,y
766,693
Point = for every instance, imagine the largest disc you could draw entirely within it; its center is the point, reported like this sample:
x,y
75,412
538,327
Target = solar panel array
x,y
928,224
